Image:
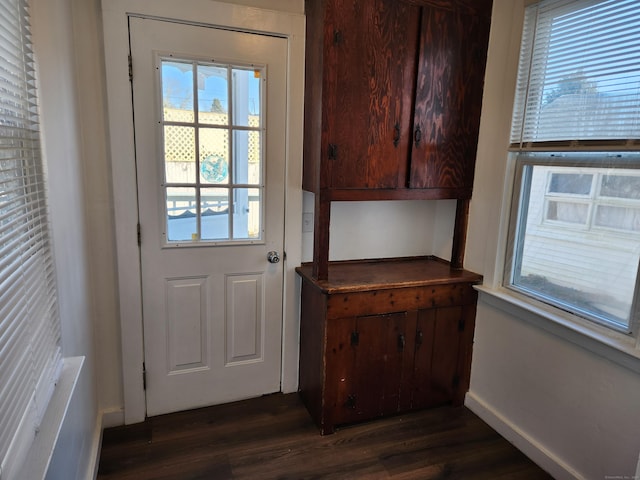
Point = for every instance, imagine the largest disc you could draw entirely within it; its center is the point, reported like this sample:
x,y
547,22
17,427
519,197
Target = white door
x,y
209,108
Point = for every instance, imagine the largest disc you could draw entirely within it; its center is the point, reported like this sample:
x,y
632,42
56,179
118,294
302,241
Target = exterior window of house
x,y
575,140
30,356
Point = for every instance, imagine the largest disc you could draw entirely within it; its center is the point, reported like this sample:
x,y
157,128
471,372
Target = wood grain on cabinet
x,y
382,337
393,97
453,54
393,91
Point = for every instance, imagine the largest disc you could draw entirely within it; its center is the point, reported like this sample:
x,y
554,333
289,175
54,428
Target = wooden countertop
x,y
379,274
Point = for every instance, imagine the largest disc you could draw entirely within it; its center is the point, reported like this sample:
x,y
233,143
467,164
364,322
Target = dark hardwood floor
x,y
273,437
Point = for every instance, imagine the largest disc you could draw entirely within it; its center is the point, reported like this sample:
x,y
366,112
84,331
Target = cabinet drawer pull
x,y
396,134
417,136
401,342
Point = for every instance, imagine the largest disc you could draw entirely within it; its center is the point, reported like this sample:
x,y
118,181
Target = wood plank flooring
x,y
273,437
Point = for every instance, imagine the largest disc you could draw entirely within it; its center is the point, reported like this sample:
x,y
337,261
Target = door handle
x,y
273,257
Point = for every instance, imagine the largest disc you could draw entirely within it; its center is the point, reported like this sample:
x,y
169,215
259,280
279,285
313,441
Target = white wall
x,y
573,411
63,151
87,30
380,229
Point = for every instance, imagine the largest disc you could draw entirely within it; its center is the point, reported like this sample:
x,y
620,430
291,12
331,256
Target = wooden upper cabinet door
x,y
370,65
453,52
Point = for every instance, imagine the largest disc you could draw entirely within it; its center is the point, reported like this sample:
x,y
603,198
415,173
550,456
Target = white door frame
x,y
116,37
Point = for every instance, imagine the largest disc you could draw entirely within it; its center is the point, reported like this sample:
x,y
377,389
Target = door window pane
x,y
246,101
213,95
179,154
214,155
214,205
177,91
246,154
182,220
246,213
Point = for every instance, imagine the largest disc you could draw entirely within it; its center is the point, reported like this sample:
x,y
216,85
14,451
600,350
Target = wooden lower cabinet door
x,y
369,364
435,372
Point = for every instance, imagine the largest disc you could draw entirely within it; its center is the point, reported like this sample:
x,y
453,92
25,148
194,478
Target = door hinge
x,y
130,68
355,338
332,151
139,234
144,376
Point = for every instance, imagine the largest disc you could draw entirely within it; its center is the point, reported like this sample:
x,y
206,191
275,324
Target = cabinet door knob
x,y
396,134
419,337
401,342
417,136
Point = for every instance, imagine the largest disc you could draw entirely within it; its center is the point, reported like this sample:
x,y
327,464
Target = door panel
x,y
210,116
449,94
372,59
187,326
244,318
436,357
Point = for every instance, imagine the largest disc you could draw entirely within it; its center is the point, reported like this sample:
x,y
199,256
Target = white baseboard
x,y
112,417
96,448
533,449
107,418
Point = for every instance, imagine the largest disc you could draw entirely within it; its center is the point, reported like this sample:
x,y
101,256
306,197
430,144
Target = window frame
x,y
528,150
575,152
231,127
517,228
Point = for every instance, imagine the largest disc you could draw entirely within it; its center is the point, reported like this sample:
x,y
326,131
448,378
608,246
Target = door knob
x,y
273,257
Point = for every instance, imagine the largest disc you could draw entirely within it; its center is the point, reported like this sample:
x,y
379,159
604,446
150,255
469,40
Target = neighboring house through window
x,y
575,229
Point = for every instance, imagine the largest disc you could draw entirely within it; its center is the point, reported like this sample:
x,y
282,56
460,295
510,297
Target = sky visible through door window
x,y
179,83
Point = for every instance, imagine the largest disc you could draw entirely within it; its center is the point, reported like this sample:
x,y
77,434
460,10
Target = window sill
x,y
41,451
614,346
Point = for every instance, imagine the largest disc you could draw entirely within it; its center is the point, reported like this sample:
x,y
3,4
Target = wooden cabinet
x,y
369,70
453,53
392,109
392,104
393,97
384,337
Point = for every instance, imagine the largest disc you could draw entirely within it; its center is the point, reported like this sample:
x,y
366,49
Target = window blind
x,y
579,75
29,325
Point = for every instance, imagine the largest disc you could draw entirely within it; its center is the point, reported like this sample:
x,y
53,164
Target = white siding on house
x,y
601,263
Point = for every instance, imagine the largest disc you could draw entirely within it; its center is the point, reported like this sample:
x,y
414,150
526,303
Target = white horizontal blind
x,y
29,324
579,76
